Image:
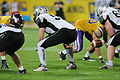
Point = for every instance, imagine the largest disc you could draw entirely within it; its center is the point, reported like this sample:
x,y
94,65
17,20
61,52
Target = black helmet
x,y
16,21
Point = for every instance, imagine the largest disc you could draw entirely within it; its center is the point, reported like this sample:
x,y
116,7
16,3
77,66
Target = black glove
x,y
4,64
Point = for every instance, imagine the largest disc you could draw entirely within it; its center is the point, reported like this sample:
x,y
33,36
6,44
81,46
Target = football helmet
x,y
101,9
16,21
40,10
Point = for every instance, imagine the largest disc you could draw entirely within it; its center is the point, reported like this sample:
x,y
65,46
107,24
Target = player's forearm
x,y
41,34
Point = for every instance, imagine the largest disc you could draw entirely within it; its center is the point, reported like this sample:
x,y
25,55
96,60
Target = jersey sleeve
x,y
41,22
103,17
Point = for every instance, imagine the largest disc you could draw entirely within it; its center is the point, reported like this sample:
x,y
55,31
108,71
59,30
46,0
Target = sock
x,y
42,55
70,54
3,57
99,57
21,68
87,54
109,62
64,51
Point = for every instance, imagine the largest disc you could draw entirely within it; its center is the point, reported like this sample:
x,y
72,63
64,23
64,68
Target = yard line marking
x,y
49,49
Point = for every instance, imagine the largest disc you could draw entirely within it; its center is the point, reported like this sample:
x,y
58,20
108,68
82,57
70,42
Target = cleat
x,y
88,59
101,60
22,71
62,56
71,65
106,67
41,68
4,64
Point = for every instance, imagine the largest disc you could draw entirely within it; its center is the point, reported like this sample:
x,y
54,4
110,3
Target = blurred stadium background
x,y
73,9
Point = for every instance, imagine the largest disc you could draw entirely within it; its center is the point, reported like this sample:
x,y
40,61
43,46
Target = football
x,y
97,43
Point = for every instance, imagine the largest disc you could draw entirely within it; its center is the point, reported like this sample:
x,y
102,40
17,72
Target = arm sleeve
x,y
41,23
105,35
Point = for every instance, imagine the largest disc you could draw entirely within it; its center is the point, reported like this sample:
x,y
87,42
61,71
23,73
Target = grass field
x,y
86,70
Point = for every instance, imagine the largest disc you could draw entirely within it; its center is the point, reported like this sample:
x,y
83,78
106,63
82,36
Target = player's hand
x,y
4,64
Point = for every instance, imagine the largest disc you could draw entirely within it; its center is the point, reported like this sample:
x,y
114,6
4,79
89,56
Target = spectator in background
x,y
15,7
59,9
5,8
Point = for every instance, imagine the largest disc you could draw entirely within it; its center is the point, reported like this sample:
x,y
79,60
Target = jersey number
x,y
116,13
92,21
56,17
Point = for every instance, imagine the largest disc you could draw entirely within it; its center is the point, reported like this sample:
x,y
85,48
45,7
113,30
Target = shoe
x,y
62,56
22,71
101,60
71,65
41,68
87,59
106,67
117,55
4,64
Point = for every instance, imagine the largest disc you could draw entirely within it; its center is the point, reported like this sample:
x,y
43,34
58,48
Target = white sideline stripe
x,y
49,49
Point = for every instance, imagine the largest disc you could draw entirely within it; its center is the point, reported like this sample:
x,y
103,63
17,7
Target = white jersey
x,y
113,15
4,28
52,23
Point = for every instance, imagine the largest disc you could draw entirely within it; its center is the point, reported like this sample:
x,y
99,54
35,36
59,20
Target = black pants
x,y
11,41
115,39
63,35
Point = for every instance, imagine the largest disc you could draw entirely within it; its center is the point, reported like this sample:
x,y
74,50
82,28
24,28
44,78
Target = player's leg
x,y
16,59
3,43
42,56
14,44
90,49
112,43
78,45
59,37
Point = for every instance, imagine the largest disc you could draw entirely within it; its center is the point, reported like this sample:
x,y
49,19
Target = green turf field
x,y
86,70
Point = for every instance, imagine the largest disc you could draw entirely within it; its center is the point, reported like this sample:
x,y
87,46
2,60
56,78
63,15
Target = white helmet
x,y
101,9
40,10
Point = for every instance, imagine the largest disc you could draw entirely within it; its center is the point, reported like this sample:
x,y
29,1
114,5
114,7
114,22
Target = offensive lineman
x,y
4,20
110,18
59,31
93,30
12,39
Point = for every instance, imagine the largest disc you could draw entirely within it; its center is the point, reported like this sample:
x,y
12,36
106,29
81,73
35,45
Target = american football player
x,y
4,20
12,39
93,30
110,18
59,31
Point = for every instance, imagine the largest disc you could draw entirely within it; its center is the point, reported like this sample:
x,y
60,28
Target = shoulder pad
x,y
39,19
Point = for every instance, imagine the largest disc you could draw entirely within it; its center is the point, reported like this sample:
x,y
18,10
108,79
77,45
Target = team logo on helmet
x,y
16,21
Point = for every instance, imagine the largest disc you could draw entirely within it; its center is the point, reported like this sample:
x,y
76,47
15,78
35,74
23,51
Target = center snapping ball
x,y
97,43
